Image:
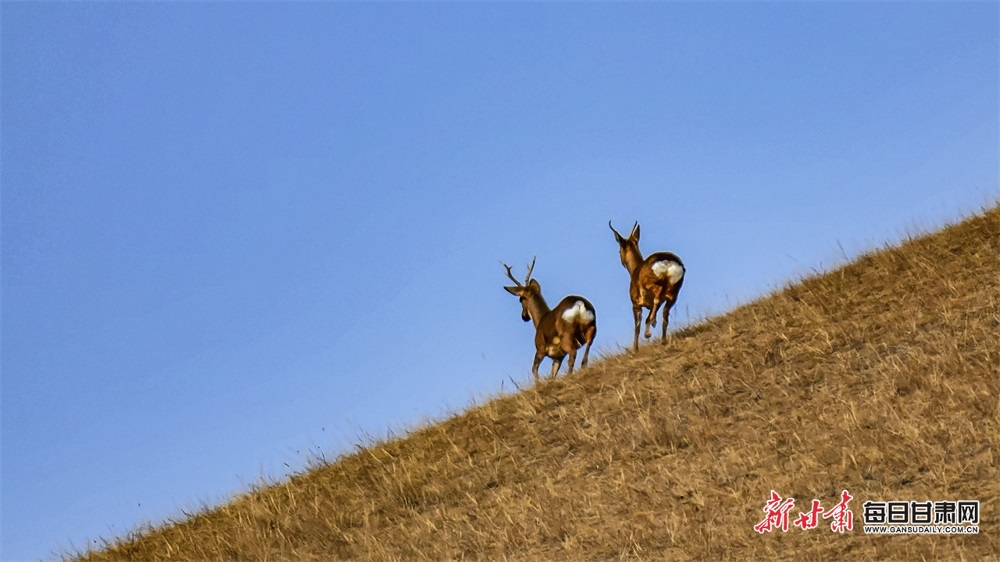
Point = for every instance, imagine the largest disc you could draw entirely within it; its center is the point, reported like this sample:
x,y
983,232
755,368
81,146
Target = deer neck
x,y
536,308
633,260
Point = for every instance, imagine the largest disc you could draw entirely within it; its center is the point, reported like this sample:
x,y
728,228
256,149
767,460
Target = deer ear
x,y
535,285
618,237
516,291
635,232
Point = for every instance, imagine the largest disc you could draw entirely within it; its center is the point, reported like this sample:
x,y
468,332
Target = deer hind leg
x,y
556,363
570,344
589,339
666,320
651,319
637,313
572,354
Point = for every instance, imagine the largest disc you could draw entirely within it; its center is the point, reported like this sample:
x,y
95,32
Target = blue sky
x,y
235,233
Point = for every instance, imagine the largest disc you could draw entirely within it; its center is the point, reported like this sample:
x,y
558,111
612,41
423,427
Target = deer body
x,y
559,331
654,282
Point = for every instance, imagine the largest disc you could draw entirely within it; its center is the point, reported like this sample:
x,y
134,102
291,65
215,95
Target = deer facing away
x,y
559,331
655,281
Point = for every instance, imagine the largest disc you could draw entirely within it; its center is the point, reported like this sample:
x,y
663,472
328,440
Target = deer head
x,y
528,293
628,248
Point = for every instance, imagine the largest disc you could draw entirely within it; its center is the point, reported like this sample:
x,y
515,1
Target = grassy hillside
x,y
881,378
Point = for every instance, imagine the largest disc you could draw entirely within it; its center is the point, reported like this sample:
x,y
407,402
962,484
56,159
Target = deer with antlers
x,y
655,281
558,332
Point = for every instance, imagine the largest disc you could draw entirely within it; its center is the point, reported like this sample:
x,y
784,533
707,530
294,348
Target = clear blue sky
x,y
233,233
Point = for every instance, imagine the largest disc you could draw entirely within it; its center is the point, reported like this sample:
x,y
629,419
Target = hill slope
x,y
881,378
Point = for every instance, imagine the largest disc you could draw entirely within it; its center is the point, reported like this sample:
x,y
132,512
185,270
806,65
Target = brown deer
x,y
655,281
558,332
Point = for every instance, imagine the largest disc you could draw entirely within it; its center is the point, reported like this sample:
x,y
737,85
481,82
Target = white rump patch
x,y
669,269
578,313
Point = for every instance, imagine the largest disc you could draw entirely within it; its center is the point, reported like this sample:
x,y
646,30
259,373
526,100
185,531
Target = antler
x,y
530,267
511,275
527,277
634,227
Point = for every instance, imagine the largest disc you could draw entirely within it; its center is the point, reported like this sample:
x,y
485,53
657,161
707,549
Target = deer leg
x,y
556,363
539,355
666,320
637,313
572,361
651,319
569,345
589,338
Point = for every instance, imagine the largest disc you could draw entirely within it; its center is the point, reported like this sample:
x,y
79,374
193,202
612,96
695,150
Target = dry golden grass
x,y
881,377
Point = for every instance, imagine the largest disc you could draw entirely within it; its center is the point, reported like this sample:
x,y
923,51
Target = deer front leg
x,y
539,355
637,313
